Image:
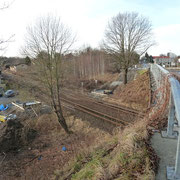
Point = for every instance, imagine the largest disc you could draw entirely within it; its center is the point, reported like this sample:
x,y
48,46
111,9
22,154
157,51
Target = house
x,y
164,60
177,61
15,63
18,67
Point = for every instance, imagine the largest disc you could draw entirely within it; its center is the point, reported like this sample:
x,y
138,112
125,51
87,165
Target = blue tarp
x,y
3,108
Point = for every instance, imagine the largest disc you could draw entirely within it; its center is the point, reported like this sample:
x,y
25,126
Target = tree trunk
x,y
125,76
60,116
62,122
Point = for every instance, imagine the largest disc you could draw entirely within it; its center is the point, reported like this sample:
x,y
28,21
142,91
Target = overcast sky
x,y
88,19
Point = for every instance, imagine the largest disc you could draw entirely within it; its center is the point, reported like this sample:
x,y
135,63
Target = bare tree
x,y
6,4
90,63
47,41
126,36
4,42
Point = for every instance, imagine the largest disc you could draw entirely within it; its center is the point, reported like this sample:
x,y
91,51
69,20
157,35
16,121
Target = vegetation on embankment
x,y
136,93
91,153
124,156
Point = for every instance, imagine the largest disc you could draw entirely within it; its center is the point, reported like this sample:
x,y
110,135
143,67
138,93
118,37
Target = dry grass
x,y
48,144
91,153
135,94
123,156
107,77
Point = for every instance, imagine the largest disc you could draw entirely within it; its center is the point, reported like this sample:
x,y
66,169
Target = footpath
x,y
166,151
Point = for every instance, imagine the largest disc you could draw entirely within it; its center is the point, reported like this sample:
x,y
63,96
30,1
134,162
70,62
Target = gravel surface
x,y
4,100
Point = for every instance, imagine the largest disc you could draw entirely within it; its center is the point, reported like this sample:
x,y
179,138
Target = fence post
x,y
173,173
177,164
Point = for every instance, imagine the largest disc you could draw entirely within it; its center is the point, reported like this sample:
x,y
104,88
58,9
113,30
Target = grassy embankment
x,y
124,156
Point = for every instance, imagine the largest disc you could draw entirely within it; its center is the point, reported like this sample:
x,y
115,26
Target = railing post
x,y
177,164
170,133
173,173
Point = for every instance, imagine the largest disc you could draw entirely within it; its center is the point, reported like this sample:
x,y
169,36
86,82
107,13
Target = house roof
x,y
160,57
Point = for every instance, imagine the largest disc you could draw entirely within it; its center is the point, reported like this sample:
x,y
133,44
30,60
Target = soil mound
x,y
13,136
135,94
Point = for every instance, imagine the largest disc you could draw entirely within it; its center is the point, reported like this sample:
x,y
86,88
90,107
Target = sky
x,y
88,19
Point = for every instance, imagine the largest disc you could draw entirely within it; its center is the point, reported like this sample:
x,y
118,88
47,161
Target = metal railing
x,y
160,74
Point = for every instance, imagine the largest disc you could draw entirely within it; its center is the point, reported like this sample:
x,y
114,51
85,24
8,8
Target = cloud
x,y
168,39
88,18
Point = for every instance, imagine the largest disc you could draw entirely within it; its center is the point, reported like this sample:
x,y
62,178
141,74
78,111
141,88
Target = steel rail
x,y
96,113
109,105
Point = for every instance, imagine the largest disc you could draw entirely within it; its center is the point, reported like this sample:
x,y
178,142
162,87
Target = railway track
x,y
115,114
101,102
95,113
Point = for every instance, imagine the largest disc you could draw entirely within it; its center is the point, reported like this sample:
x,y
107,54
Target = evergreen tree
x,y
28,60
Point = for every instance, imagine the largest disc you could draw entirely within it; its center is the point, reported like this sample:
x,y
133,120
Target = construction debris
x,y
10,135
101,92
18,105
9,117
31,104
3,107
2,118
25,105
45,109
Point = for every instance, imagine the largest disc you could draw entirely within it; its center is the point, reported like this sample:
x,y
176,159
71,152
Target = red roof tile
x,y
160,57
